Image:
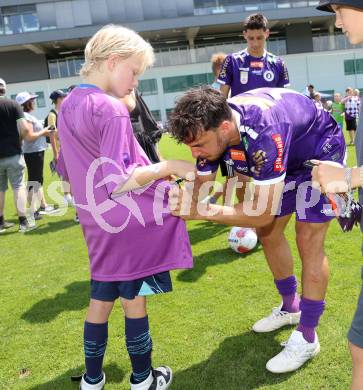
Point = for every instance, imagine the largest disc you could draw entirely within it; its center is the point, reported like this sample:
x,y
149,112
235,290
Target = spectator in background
x,y
14,128
57,98
317,98
352,108
217,62
34,158
145,128
357,94
338,109
311,91
328,105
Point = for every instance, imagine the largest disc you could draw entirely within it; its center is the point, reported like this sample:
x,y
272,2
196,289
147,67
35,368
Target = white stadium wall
x,y
325,70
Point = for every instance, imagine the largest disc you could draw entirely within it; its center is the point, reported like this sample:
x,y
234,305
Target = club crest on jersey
x,y
259,158
278,164
269,75
243,76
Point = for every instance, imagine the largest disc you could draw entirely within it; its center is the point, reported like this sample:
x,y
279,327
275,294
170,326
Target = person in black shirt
x,y
144,126
14,128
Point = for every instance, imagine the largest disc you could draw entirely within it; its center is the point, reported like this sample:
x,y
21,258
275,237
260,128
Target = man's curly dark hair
x,y
199,109
255,22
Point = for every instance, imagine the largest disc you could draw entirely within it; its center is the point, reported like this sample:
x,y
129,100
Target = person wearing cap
x,y
34,157
349,17
13,124
57,98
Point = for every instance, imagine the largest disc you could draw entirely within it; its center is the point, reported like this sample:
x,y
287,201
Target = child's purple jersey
x,y
280,129
242,72
133,235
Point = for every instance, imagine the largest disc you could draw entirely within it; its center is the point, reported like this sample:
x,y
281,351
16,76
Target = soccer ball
x,y
242,240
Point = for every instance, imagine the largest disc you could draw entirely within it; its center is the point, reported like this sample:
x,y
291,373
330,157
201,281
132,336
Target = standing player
x,y
253,67
132,242
249,69
349,18
268,134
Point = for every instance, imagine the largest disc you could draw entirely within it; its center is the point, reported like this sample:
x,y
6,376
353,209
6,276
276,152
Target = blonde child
x,y
131,244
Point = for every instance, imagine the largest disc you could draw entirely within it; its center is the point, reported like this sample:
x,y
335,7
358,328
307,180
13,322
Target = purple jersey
x,y
133,235
280,129
243,72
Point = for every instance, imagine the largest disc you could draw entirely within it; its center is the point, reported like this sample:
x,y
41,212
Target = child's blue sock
x,y
95,342
139,346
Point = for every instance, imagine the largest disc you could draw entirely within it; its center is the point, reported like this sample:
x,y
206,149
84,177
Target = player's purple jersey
x,y
280,129
242,72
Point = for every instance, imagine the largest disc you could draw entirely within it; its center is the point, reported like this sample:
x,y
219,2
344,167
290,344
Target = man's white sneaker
x,y
98,386
297,351
159,379
277,319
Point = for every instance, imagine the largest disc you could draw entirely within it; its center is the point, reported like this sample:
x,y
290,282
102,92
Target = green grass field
x,y
202,329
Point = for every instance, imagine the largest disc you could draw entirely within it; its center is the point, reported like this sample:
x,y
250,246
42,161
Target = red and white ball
x,y
242,240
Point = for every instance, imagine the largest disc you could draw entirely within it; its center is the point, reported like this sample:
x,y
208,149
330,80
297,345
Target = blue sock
x,y
95,342
139,346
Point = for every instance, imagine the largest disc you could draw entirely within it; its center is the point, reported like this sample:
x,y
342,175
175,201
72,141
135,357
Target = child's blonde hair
x,y
113,39
217,62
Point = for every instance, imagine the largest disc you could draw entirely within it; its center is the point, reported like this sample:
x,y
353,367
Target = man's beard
x,y
222,145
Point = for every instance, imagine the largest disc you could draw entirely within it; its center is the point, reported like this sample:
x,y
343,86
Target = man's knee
x,y
310,237
268,235
266,240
